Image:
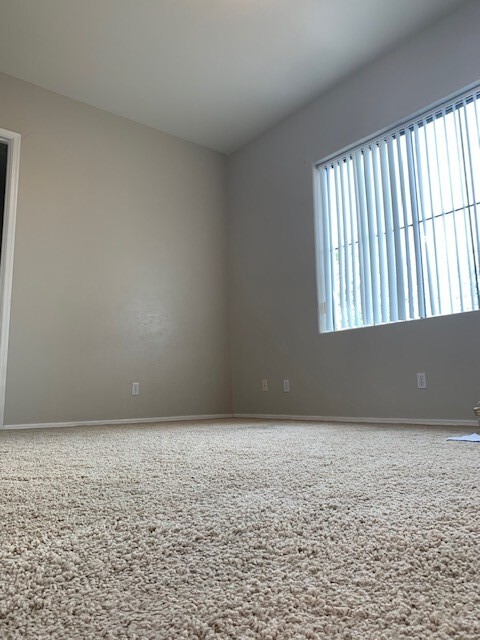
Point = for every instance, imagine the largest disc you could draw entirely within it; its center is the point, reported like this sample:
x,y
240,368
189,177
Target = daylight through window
x,y
398,222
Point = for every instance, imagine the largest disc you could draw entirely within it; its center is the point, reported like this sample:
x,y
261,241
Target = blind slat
x,y
347,225
455,217
341,245
327,256
446,253
466,211
382,242
474,214
409,255
388,215
363,221
373,236
416,226
355,251
423,223
433,253
400,274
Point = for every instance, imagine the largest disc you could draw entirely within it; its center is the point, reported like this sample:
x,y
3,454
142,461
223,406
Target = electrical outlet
x,y
421,381
286,386
264,384
135,388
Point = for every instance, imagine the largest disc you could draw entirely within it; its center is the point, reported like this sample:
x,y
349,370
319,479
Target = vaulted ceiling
x,y
216,72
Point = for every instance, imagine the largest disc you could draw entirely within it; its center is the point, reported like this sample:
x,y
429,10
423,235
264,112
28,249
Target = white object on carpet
x,y
474,437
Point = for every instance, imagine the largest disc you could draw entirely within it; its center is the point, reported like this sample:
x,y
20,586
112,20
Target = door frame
x,y
12,139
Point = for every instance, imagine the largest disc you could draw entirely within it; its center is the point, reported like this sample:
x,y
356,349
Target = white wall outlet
x,y
286,386
421,381
135,388
264,384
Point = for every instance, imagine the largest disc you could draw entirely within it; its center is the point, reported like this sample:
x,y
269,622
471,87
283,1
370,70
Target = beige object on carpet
x,y
239,530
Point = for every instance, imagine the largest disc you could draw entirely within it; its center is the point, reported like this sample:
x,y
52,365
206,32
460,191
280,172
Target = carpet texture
x,y
239,530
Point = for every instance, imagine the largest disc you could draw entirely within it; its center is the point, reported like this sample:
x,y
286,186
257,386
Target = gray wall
x,y
364,372
120,267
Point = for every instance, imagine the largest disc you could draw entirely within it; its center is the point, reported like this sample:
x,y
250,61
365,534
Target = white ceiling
x,y
216,72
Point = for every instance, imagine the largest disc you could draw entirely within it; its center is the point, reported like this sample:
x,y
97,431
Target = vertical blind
x,y
398,222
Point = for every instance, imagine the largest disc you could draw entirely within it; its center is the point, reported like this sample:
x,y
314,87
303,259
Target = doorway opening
x,y
3,185
9,168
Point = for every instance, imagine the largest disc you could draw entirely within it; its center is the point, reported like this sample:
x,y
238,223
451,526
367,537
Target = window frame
x,y
427,114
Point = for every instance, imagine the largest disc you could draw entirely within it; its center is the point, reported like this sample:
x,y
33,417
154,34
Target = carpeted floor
x,y
239,530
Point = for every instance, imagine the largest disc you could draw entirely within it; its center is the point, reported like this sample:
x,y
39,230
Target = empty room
x,y
239,319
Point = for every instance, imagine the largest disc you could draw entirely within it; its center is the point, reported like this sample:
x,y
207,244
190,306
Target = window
x,y
398,221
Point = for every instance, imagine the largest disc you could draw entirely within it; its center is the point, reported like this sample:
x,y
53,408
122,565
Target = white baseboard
x,y
92,423
247,416
353,419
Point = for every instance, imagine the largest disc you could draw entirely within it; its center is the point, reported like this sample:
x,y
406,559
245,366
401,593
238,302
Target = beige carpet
x,y
239,530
